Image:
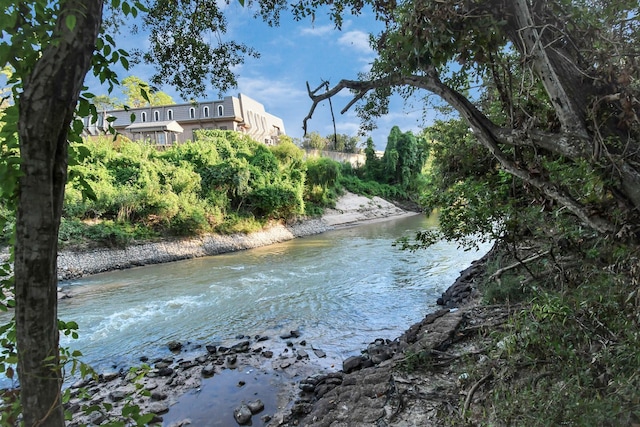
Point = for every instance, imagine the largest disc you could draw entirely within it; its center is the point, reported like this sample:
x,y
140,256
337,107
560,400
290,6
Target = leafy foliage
x,y
188,189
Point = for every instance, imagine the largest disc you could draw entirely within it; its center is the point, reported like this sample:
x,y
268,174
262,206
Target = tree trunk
x,y
46,106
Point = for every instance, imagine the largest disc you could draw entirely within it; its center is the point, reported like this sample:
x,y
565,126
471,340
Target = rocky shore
x,y
364,391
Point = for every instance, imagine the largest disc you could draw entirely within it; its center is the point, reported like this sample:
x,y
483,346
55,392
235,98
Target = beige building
x,y
170,124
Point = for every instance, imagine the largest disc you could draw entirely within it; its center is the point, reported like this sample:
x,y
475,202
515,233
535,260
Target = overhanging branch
x,y
487,133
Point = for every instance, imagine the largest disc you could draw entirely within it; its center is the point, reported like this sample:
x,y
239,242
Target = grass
x,y
570,355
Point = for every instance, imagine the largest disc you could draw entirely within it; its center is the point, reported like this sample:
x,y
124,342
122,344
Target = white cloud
x,y
358,40
321,30
269,91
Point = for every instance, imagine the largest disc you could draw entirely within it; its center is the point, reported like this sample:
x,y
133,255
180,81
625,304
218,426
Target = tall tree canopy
x,y
562,74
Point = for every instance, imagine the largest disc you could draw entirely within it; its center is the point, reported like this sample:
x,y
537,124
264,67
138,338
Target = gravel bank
x,y
350,210
73,264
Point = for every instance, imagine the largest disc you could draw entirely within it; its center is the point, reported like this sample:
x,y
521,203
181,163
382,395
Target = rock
x,y
262,338
158,408
302,354
211,349
291,334
309,388
117,395
97,418
242,414
303,342
266,418
144,359
157,395
285,364
174,345
231,361
319,353
255,406
81,383
352,364
208,370
110,376
165,372
268,354
162,365
241,347
186,364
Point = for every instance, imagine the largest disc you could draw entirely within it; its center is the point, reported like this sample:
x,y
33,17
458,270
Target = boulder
x,y
242,414
255,406
353,363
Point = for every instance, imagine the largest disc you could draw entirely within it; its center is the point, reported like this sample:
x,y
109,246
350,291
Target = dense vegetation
x,y
223,182
122,191
568,352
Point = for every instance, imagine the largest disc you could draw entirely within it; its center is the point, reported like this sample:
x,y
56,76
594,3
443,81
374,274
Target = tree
x,y
137,93
403,159
314,141
564,74
343,142
50,46
106,102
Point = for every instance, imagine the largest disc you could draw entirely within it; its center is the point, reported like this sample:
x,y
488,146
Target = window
x,y
192,113
169,114
156,116
220,110
143,116
205,111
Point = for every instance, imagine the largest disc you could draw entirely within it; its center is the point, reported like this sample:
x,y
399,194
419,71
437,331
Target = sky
x,y
291,55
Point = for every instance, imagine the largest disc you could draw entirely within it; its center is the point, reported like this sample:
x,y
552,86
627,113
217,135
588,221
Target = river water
x,y
341,289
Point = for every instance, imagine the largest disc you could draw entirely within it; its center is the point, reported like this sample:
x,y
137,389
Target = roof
x,y
168,125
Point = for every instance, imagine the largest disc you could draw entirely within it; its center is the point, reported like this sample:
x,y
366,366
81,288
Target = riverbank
x,y
351,209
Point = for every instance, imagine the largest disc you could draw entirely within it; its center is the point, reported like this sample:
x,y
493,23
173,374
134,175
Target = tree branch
x,y
484,129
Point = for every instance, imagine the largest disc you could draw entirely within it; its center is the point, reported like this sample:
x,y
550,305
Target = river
x,y
341,289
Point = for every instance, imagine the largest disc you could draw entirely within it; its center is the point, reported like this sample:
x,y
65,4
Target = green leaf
x,y
126,8
144,419
144,94
70,21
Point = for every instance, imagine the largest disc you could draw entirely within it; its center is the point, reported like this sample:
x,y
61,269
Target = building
x,y
170,124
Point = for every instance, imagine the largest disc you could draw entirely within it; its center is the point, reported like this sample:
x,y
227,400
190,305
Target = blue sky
x,y
291,55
